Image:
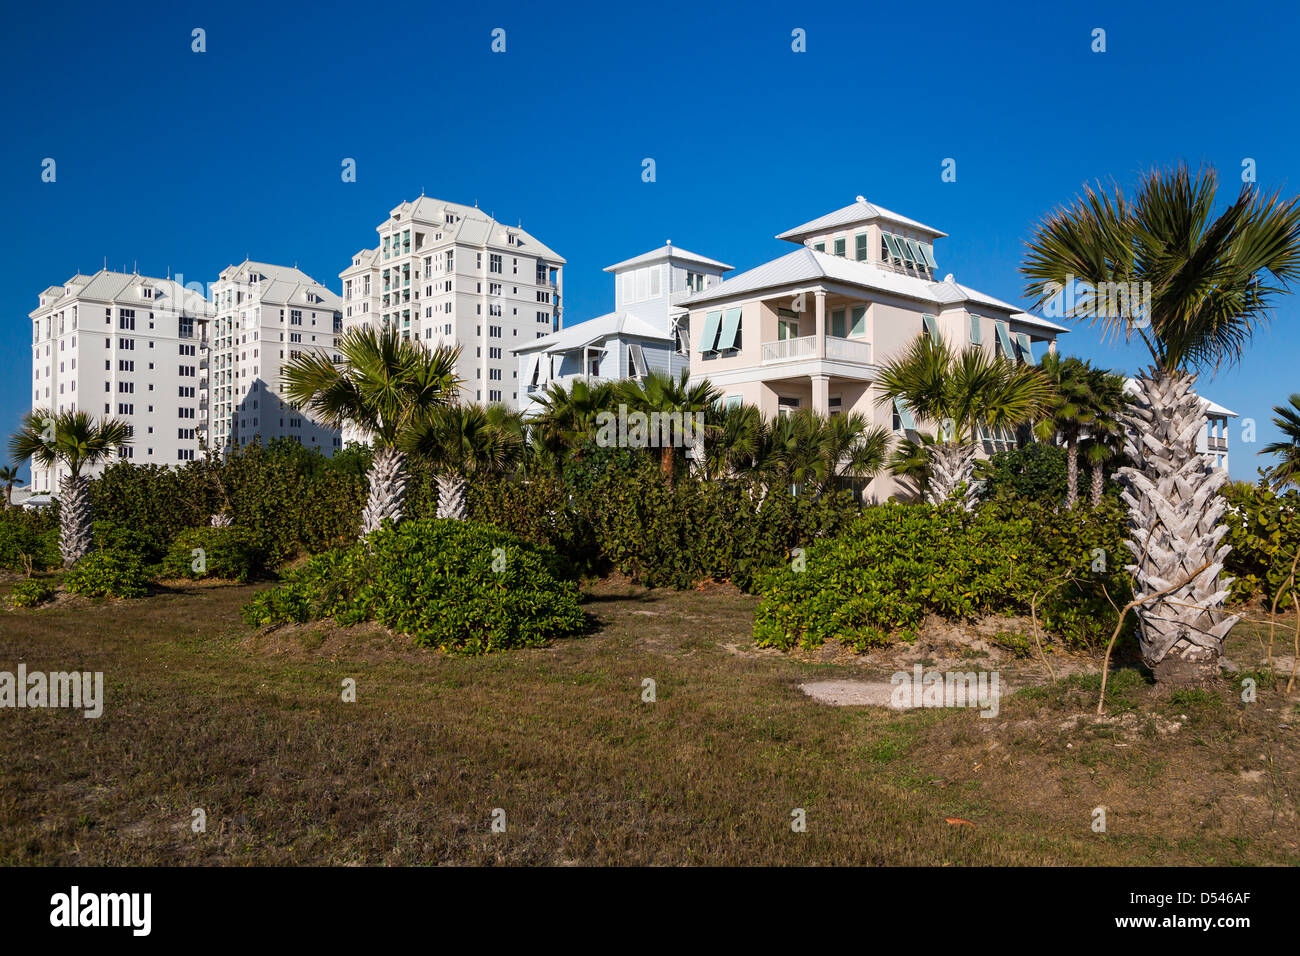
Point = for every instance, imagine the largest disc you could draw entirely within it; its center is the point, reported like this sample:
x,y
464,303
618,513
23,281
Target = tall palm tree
x,y
385,385
1069,413
661,392
1287,470
464,441
8,475
1202,285
76,441
961,391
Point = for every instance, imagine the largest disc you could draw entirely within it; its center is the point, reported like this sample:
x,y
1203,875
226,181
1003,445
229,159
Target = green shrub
x,y
875,583
29,536
145,545
1264,534
458,586
232,554
107,573
30,593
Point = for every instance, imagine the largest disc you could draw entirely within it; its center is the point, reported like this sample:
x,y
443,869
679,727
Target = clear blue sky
x,y
185,161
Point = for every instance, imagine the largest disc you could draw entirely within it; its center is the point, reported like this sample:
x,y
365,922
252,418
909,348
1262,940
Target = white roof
x,y
808,265
592,330
1211,407
669,251
283,285
108,286
858,212
472,227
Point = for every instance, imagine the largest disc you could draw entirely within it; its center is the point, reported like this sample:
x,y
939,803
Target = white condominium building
x,y
125,346
265,316
452,275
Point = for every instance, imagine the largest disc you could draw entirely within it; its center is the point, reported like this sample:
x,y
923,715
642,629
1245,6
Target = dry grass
x,y
203,713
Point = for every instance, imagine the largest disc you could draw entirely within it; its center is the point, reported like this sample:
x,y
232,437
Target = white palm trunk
x,y
1072,475
221,519
952,463
451,496
387,495
76,520
1174,510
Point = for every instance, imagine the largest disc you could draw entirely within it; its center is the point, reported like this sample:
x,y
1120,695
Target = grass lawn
x,y
203,712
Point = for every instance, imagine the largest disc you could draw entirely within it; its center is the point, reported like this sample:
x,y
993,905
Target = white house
x,y
1212,441
810,328
645,331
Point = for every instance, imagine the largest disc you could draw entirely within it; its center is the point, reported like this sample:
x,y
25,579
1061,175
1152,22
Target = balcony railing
x,y
784,350
804,347
1216,444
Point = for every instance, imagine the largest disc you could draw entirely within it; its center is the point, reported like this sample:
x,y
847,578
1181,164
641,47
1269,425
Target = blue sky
x,y
181,161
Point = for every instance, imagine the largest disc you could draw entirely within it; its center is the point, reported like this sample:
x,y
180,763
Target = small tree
x,y
386,385
76,441
463,441
8,475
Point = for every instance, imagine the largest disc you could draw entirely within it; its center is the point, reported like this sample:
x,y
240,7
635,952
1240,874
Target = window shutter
x,y
905,415
709,339
859,326
860,247
976,337
931,327
730,326
837,323
1026,350
912,253
1004,339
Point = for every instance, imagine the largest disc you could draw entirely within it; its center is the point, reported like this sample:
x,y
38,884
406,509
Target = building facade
x,y
125,346
448,274
645,331
264,316
810,329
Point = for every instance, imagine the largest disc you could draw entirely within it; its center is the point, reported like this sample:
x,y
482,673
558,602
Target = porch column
x,y
821,329
821,394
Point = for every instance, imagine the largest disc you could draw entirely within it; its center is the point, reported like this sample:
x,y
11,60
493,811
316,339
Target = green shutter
x,y
913,253
730,326
931,327
904,415
860,247
894,250
819,246
837,323
708,340
1026,351
1004,339
976,338
839,247
859,325
927,251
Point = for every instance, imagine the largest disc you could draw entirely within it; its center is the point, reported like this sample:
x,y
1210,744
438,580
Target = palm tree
x,y
662,393
76,441
385,385
962,392
732,434
1201,285
910,462
464,441
8,475
1104,441
1069,413
1287,470
568,417
815,453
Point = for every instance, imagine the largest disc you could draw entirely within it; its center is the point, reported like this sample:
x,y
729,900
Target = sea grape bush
x,y
459,586
232,554
108,573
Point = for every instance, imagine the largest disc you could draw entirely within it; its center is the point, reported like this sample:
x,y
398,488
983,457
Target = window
x,y
839,246
860,247
126,319
494,263
636,361
976,337
858,326
837,323
709,338
819,246
729,338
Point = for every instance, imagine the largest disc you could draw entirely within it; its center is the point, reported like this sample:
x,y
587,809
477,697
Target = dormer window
x,y
146,291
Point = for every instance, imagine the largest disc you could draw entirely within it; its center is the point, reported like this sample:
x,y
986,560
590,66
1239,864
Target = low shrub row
x,y
874,583
459,586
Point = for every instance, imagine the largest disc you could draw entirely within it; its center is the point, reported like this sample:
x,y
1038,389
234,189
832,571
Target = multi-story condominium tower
x,y
125,346
449,274
810,328
265,315
642,332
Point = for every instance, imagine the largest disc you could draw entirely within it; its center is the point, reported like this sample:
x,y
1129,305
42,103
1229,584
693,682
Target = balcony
x,y
838,349
1216,444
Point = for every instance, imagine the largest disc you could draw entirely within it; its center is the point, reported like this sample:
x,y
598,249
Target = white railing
x,y
841,350
785,349
848,350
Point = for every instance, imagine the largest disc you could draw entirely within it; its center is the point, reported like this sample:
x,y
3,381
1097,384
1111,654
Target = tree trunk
x,y
952,463
387,495
1072,475
1174,508
451,496
76,520
221,519
1098,484
667,462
